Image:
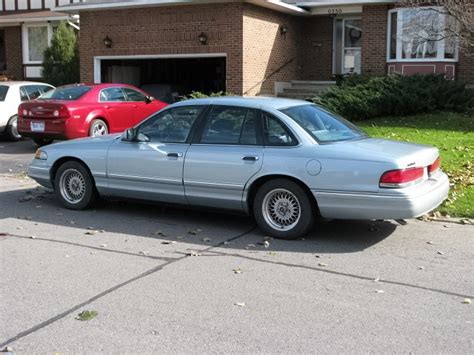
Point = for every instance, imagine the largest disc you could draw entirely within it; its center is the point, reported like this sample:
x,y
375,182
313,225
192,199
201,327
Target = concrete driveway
x,y
172,280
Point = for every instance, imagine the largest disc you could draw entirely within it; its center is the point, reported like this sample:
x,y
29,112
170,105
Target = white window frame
x,y
25,27
440,56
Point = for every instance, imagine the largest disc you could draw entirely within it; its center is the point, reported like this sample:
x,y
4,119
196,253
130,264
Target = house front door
x,y
347,45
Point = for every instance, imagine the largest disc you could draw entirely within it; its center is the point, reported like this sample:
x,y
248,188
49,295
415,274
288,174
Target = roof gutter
x,y
277,5
344,2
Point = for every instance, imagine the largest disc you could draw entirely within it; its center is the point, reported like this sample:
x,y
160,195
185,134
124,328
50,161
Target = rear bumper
x,y
40,172
410,203
54,128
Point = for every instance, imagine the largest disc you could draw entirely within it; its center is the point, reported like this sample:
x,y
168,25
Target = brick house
x,y
250,47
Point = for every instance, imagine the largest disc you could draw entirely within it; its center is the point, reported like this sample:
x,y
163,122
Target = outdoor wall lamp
x,y
283,30
202,38
108,42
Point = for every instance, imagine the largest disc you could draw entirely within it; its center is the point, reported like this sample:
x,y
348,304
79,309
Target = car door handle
x,y
174,155
250,158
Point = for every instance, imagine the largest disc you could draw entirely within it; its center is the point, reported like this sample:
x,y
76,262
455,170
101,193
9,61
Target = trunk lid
x,y
402,154
41,108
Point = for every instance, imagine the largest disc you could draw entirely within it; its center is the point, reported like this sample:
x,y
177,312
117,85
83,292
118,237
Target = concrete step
x,y
313,82
315,90
298,95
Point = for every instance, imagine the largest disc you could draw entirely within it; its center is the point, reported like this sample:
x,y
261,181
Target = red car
x,y
82,110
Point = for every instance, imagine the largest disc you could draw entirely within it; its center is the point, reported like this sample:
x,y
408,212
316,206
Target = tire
x,y
43,141
98,128
74,186
283,209
12,129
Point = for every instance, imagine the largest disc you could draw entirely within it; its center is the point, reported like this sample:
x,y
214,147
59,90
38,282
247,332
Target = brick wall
x,y
14,60
165,30
374,39
268,56
316,48
465,69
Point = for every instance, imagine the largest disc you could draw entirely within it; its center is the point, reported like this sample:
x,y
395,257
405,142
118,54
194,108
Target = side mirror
x,y
149,99
129,135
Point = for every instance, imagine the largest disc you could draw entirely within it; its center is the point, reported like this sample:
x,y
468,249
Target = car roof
x,y
253,102
97,86
18,83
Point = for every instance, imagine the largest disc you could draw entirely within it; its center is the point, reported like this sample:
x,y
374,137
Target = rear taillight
x,y
435,166
401,177
62,112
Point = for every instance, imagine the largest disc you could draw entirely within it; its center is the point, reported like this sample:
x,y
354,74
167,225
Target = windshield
x,y
322,125
3,92
66,93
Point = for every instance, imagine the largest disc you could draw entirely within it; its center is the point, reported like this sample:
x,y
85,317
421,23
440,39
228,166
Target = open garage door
x,y
165,78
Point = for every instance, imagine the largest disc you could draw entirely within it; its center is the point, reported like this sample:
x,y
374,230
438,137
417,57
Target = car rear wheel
x,y
74,186
12,129
283,209
43,141
98,128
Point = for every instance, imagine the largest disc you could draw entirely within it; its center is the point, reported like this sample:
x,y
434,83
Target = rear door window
x,y
3,92
23,94
276,133
230,125
112,95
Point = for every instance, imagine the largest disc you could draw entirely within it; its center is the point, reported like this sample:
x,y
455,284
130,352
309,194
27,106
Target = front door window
x,y
348,44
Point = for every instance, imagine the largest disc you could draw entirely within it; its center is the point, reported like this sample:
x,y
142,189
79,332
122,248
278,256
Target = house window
x,y
421,34
36,39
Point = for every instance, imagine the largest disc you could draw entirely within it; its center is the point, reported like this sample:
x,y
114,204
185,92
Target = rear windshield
x,y
3,92
323,126
66,93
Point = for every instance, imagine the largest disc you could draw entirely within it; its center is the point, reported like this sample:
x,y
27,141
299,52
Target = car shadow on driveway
x,y
197,226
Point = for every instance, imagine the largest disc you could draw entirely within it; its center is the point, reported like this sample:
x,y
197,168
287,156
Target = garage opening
x,y
167,78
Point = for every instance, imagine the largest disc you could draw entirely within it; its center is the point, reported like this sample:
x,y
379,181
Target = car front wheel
x,y
74,186
283,209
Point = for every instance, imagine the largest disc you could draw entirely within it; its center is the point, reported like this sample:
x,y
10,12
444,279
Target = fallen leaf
x,y
237,271
90,232
103,245
376,280
143,252
193,253
379,291
250,245
86,315
32,237
272,253
20,228
207,240
240,304
421,268
317,256
166,242
226,243
430,242
439,253
322,264
467,301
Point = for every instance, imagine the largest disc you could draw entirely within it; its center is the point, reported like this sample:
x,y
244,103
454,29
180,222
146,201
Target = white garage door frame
x,y
98,59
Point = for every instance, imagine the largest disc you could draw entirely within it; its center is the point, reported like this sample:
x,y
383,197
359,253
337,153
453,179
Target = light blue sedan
x,y
286,162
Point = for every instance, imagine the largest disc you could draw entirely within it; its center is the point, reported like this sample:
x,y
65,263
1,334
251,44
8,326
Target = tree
x,y
461,23
61,58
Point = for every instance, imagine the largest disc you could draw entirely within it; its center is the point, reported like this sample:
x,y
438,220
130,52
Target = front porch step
x,y
298,95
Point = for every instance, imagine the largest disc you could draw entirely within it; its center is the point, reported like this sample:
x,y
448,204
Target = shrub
x,y
359,98
61,59
201,95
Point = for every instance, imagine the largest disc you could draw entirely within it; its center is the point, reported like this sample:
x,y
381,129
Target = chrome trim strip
x,y
38,168
213,184
146,179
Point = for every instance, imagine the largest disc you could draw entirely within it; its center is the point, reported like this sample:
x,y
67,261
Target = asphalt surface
x,y
172,280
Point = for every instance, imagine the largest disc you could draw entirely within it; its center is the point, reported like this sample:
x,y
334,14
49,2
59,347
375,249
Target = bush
x,y
359,98
61,59
201,95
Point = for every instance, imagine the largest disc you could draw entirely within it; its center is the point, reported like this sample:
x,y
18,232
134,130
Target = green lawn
x,y
453,135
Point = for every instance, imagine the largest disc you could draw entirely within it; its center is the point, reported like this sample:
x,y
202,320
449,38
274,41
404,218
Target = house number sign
x,y
335,11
